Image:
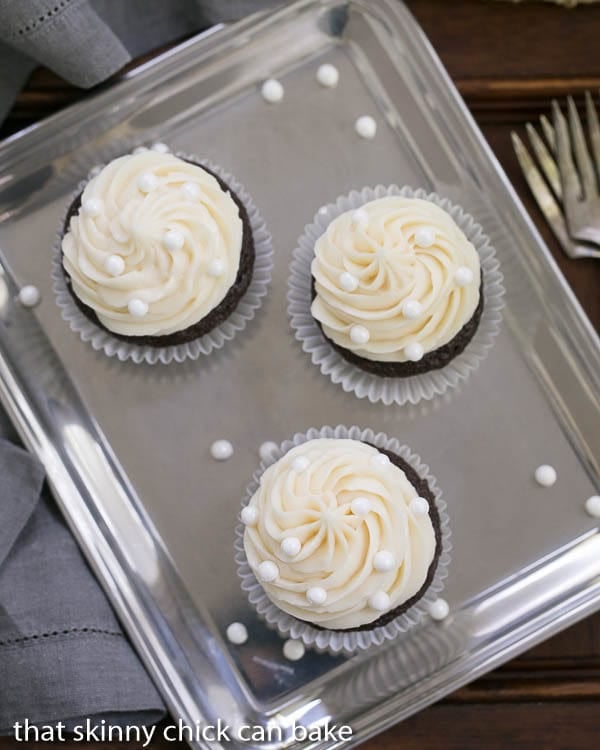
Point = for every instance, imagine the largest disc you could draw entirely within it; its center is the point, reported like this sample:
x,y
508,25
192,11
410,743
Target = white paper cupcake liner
x,y
350,641
247,306
363,384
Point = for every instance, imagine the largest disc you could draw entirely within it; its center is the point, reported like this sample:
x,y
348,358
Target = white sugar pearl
x,y
147,182
138,308
359,334
291,546
380,459
411,309
91,207
249,515
191,190
545,475
268,571
216,268
328,75
366,127
139,150
414,352
160,148
361,506
379,601
439,609
173,240
114,265
272,91
463,276
221,450
348,282
360,218
419,506
316,595
29,295
237,633
300,463
293,650
592,506
424,237
267,449
384,561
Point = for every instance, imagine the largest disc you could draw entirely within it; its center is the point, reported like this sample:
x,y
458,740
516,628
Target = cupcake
x,y
157,250
342,536
396,286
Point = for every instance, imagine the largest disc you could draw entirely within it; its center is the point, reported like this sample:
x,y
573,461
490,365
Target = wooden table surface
x,y
507,61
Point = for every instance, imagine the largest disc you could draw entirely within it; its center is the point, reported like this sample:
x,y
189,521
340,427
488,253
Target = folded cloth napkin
x,y
63,655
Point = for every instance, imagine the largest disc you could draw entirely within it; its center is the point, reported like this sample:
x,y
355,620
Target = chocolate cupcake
x,y
158,251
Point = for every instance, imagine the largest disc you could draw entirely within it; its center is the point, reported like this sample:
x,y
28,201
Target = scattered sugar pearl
x,y
419,506
29,295
237,633
360,218
138,308
439,609
411,309
424,237
316,595
348,282
268,571
379,601
114,265
380,459
221,450
463,276
173,240
267,449
300,463
272,91
361,506
147,182
293,650
291,546
328,75
160,148
384,561
359,334
249,515
414,352
216,268
91,207
191,190
139,150
592,506
366,127
545,475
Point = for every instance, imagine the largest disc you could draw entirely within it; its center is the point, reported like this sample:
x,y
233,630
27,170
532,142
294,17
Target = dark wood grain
x,y
508,61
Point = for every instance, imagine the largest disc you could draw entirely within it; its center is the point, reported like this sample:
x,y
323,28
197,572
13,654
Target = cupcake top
x,y
155,244
337,535
394,279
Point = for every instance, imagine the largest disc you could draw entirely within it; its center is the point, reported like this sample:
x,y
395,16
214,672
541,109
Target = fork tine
x,y
594,129
548,132
568,175
545,160
582,155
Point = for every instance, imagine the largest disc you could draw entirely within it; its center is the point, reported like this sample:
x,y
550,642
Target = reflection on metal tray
x,y
126,447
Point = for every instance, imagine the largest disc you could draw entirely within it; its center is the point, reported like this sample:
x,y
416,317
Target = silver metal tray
x,y
126,447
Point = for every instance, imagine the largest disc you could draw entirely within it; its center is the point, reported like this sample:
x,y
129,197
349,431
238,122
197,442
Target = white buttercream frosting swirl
x,y
395,277
155,245
359,547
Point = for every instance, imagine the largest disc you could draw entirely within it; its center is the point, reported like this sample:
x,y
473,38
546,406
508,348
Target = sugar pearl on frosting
x,y
160,148
291,546
348,282
359,334
414,352
545,475
411,309
139,150
439,609
328,75
114,265
380,459
366,127
268,571
237,633
300,463
592,506
272,91
29,295
191,190
463,276
249,515
138,308
379,601
91,207
293,650
147,182
221,450
216,268
316,595
419,506
360,218
361,506
424,237
384,561
173,240
267,449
